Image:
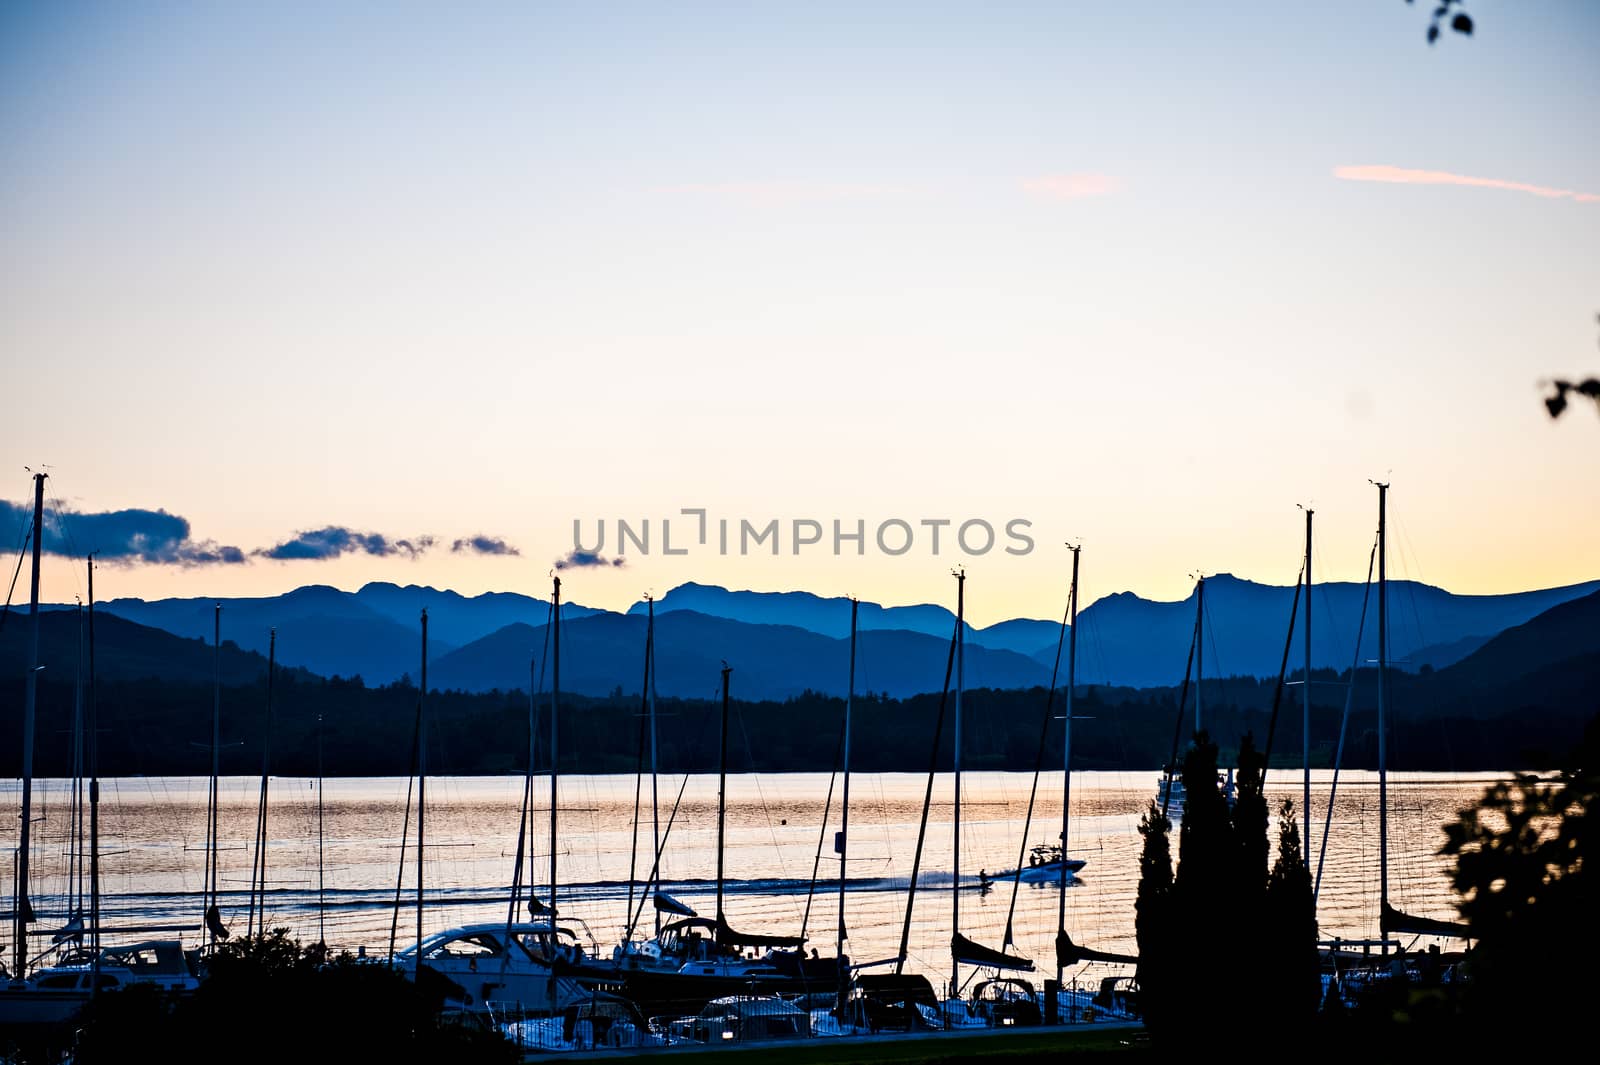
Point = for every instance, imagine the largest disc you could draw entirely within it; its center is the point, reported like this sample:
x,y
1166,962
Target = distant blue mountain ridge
x,y
787,642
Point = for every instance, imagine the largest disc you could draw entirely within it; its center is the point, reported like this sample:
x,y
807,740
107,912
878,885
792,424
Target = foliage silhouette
x,y
1460,21
270,998
1556,401
1524,856
1221,907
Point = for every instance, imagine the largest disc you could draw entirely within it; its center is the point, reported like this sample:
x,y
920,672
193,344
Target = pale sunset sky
x,y
1146,275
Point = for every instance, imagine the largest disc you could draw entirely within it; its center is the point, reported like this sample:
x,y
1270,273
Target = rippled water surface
x,y
153,850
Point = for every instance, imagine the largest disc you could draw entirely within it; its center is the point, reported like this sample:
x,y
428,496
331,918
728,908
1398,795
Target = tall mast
x,y
1066,751
844,817
526,831
1305,727
1383,684
1199,645
655,797
555,722
422,780
92,727
213,913
24,908
322,929
257,917
75,848
955,880
722,800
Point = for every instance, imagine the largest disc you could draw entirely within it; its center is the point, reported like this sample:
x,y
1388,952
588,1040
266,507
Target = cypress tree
x,y
1295,974
1153,920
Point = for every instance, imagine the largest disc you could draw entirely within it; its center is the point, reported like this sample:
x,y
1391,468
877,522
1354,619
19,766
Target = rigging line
x,y
525,848
322,933
822,833
1338,757
405,830
1283,671
772,831
1222,680
1177,726
927,801
61,513
1038,767
516,868
655,868
22,553
638,780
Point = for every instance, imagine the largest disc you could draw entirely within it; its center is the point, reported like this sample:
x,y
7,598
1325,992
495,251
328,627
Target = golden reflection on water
x,y
153,844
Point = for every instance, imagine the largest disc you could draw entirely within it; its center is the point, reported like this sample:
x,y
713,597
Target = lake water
x,y
153,851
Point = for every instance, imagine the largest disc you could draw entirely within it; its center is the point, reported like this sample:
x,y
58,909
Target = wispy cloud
x,y
336,540
1076,186
584,559
1398,175
121,536
483,545
787,193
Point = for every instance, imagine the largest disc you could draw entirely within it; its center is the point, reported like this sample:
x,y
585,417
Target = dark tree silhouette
x,y
1222,911
1153,919
1524,858
268,998
1291,915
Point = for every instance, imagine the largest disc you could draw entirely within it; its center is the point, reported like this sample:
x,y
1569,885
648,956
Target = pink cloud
x,y
1071,186
1401,176
784,193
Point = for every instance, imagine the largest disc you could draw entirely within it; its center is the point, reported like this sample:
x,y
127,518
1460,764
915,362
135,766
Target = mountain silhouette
x,y
1516,702
123,650
1124,639
602,653
321,629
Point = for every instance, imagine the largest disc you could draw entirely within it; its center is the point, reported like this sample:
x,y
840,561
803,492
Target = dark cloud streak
x,y
576,559
331,541
483,545
122,537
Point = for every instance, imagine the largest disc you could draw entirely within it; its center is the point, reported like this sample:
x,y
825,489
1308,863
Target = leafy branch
x,y
1449,12
1556,402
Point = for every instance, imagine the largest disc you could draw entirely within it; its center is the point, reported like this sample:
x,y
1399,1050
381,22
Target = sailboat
x,y
1169,786
1391,921
42,995
703,959
963,950
498,965
1048,863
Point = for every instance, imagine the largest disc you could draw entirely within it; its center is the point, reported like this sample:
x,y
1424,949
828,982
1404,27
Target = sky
x,y
323,279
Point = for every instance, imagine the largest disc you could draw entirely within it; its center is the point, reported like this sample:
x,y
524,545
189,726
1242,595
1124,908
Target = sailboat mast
x,y
1066,752
525,832
75,849
92,724
322,927
1305,726
24,908
1383,735
655,796
1199,645
257,917
213,914
422,781
722,801
955,877
844,816
555,735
